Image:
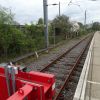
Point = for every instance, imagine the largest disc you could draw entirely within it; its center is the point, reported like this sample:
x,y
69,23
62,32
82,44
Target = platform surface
x,y
94,81
89,83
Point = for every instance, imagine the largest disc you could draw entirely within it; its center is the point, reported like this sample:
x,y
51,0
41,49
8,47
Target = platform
x,y
89,83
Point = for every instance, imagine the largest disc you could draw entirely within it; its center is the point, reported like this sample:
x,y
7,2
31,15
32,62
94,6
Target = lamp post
x,y
85,19
59,7
59,15
54,4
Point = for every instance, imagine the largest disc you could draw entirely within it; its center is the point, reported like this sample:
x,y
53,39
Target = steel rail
x,y
33,53
55,60
71,72
73,67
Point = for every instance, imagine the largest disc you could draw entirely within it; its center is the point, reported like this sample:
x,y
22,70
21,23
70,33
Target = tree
x,y
61,24
80,24
6,19
96,26
11,39
40,21
35,32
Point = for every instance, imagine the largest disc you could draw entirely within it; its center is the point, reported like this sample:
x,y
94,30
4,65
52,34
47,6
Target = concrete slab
x,y
89,87
95,73
96,60
96,52
95,76
95,91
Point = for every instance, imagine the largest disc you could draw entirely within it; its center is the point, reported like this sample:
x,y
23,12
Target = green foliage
x,y
81,25
61,22
40,21
6,17
60,25
12,40
16,41
96,26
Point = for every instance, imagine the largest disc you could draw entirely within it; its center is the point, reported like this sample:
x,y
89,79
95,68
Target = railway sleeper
x,y
58,84
57,70
67,60
80,65
77,73
62,66
71,87
74,79
66,95
79,68
60,77
82,61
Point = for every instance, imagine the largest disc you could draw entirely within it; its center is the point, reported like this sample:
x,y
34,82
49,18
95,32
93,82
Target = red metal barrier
x,y
29,86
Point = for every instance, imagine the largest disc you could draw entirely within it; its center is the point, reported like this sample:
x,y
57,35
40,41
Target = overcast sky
x,y
27,11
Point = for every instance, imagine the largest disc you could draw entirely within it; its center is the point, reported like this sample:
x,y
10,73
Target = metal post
x,y
7,80
45,9
13,79
85,18
54,36
59,9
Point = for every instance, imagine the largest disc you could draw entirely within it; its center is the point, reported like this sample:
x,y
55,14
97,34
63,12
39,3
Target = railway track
x,y
27,59
67,68
18,59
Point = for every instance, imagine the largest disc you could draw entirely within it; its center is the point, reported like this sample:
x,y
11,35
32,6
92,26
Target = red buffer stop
x,y
26,85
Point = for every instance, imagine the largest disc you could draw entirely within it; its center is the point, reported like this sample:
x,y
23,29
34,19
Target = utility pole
x,y
45,10
59,9
85,18
54,36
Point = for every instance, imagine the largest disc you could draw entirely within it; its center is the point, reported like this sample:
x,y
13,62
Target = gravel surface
x,y
46,58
